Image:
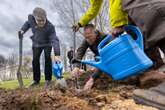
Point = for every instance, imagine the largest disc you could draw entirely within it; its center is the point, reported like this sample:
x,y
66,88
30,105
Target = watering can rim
x,y
115,42
57,63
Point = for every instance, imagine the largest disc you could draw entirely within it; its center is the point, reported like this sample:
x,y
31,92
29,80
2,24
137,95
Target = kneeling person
x,y
92,39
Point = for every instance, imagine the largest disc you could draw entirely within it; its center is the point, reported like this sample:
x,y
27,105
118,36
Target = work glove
x,y
20,34
76,27
117,31
77,72
56,59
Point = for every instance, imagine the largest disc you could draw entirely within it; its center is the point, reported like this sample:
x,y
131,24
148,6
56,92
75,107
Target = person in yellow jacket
x,y
119,18
121,9
119,12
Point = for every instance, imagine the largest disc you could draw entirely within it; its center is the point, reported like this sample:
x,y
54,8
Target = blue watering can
x,y
57,69
122,57
57,72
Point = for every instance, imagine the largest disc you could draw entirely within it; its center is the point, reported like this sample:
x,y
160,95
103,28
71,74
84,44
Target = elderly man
x,y
43,39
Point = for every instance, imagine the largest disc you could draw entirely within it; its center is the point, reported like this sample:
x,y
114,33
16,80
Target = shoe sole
x,y
140,100
153,97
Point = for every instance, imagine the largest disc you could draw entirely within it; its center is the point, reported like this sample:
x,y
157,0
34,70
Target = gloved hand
x,y
77,72
76,27
88,84
117,31
20,34
57,59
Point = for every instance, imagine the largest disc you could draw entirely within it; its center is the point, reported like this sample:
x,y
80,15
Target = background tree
x,y
70,12
2,61
27,67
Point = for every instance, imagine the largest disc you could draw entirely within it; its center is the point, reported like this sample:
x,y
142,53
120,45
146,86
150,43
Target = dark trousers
x,y
70,64
161,44
154,54
36,63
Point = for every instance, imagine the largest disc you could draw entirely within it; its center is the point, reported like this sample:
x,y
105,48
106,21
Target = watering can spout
x,y
92,63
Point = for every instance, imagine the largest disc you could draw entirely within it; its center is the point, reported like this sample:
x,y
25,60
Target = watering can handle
x,y
138,33
104,41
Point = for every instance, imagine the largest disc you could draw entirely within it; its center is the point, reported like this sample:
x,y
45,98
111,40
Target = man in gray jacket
x,y
43,39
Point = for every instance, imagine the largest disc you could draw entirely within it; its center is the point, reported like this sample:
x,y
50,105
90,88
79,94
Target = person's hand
x,y
57,59
76,27
117,31
20,34
77,72
86,88
88,84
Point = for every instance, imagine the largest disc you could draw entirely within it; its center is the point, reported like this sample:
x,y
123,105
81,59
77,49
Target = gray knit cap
x,y
39,13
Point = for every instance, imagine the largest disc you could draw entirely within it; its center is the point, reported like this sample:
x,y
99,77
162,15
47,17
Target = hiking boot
x,y
34,84
152,78
153,97
47,84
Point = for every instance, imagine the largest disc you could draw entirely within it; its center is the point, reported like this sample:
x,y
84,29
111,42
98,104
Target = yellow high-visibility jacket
x,y
118,17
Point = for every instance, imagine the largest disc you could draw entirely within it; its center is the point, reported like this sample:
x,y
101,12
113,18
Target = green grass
x,y
13,84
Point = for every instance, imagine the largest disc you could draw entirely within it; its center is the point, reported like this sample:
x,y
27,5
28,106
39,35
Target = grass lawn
x,y
13,84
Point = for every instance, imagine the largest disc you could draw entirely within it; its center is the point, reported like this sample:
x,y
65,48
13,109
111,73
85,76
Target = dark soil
x,y
111,97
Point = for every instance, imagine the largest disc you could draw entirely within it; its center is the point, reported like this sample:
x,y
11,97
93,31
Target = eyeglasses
x,y
40,20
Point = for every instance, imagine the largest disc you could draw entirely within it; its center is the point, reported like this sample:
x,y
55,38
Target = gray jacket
x,y
42,37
